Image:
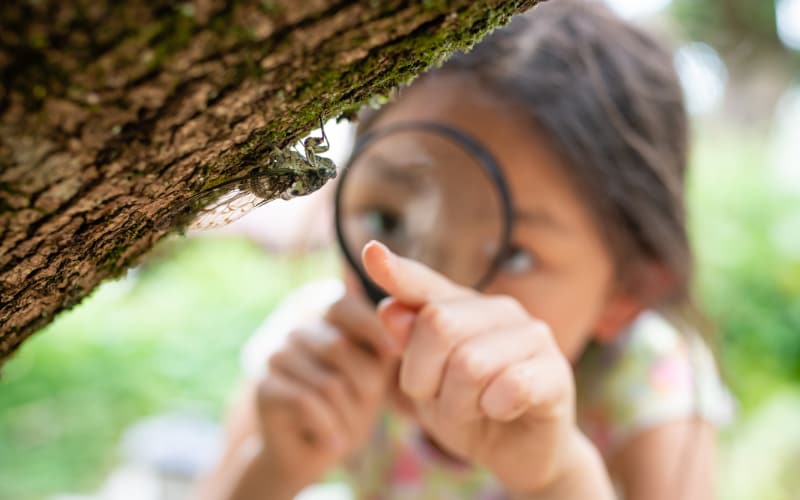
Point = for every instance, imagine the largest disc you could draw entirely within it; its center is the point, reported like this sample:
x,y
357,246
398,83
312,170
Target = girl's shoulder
x,y
653,373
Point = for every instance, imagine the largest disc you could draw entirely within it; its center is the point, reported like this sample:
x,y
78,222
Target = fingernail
x,y
380,244
388,254
384,303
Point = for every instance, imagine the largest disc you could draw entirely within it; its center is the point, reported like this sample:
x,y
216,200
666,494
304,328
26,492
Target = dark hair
x,y
607,96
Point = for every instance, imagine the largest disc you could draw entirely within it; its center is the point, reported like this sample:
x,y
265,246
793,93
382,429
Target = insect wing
x,y
235,199
185,211
231,206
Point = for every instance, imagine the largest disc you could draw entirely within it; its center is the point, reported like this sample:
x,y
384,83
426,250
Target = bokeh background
x,y
165,339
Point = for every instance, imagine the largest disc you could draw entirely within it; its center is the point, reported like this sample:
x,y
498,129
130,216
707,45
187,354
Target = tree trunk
x,y
113,113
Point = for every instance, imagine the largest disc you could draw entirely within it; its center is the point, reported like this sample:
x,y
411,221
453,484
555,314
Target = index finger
x,y
408,281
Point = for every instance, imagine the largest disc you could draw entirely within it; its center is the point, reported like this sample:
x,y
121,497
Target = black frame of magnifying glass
x,y
490,166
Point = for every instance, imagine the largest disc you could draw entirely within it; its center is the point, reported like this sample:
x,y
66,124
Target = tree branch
x,y
113,113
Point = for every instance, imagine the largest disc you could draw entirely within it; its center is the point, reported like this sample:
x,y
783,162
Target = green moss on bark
x,y
426,47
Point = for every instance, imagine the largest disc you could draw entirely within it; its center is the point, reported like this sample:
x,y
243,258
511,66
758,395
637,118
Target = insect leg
x,y
324,137
314,145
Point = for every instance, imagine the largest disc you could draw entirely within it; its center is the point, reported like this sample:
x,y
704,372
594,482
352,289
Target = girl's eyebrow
x,y
538,218
409,176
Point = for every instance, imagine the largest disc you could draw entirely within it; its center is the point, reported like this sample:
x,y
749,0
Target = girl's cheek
x,y
568,307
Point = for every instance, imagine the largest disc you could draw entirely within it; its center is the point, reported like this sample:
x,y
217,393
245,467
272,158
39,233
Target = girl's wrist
x,y
280,481
254,474
584,475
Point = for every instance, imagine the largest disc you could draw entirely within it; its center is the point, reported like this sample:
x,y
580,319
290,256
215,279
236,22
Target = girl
x,y
575,372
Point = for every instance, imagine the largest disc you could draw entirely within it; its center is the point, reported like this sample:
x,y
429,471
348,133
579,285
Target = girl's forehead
x,y
529,162
537,175
455,99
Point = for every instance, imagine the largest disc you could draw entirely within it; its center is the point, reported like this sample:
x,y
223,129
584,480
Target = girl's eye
x,y
382,222
518,261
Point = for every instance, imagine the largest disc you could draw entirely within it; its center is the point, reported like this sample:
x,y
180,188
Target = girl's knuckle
x,y
547,337
277,359
372,384
332,386
302,401
469,363
266,393
336,348
509,304
539,333
515,385
370,389
437,319
542,327
565,374
295,337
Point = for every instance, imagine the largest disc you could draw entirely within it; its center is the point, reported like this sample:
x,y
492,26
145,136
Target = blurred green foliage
x,y
164,339
748,283
761,455
746,234
728,20
168,337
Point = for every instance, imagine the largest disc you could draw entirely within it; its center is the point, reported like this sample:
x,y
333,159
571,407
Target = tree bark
x,y
113,113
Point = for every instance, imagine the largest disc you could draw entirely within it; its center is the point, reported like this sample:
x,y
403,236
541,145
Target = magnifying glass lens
x,y
426,197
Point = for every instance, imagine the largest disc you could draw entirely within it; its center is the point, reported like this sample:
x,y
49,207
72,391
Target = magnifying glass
x,y
429,192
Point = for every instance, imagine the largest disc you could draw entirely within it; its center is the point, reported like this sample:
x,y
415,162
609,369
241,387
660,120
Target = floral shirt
x,y
651,374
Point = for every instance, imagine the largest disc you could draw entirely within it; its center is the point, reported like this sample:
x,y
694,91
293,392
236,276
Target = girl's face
x,y
561,270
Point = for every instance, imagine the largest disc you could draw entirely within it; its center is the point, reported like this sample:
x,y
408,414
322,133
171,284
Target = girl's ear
x,y
620,311
649,285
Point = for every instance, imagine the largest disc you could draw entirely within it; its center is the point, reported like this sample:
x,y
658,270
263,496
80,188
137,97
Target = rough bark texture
x,y
113,113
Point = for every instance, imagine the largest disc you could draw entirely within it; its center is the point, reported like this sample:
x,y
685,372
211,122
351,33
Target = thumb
x,y
408,281
398,320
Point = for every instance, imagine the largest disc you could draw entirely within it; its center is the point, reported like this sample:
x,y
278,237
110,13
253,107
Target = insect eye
x,y
326,166
518,261
297,189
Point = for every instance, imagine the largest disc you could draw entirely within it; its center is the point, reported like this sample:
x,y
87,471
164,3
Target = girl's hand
x,y
319,400
487,380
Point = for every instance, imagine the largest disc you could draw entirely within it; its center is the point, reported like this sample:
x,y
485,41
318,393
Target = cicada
x,y
285,174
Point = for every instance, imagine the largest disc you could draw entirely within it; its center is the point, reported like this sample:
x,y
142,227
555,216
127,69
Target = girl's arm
x,y
586,478
313,407
672,461
241,473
